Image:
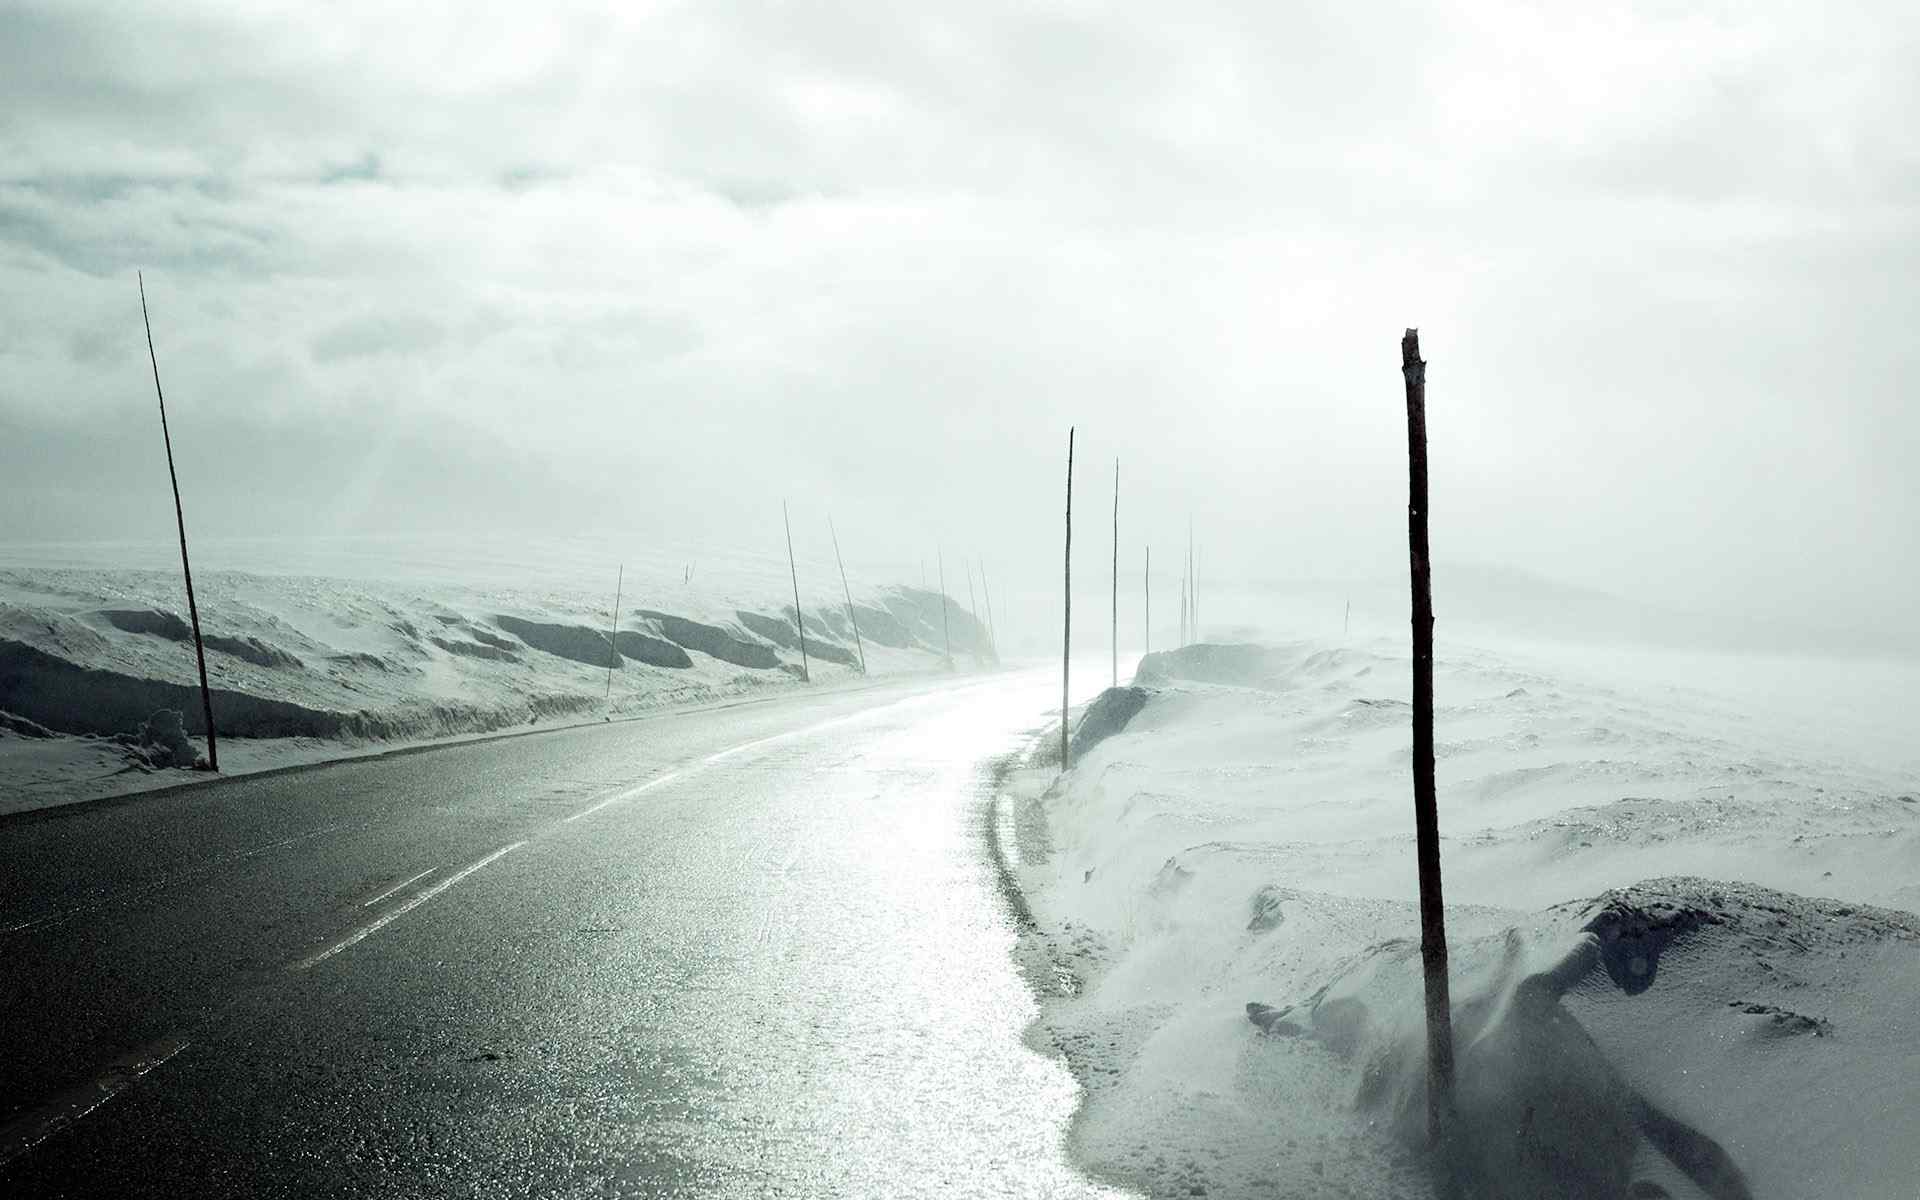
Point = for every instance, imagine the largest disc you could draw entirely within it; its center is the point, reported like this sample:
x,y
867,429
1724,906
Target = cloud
x,y
359,337
877,259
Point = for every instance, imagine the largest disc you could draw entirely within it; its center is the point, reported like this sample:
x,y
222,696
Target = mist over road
x,y
750,951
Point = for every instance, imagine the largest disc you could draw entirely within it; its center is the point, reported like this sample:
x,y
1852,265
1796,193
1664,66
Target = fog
x,y
528,275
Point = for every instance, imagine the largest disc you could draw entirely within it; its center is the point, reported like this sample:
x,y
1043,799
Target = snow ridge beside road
x,y
1249,840
99,693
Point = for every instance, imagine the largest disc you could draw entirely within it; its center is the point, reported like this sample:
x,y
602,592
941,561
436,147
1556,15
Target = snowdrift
x,y
1681,932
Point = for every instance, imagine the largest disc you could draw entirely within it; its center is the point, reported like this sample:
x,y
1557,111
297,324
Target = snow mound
x,y
1108,715
1240,665
1624,1027
1700,1037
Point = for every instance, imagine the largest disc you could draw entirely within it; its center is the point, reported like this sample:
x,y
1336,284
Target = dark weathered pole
x,y
946,639
993,637
1066,633
973,612
613,635
1116,573
180,519
806,671
851,619
1433,923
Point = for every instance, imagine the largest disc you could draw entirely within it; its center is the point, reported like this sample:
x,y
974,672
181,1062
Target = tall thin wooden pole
x,y
946,638
851,619
1066,632
1192,593
1433,923
806,670
993,636
613,634
973,612
1116,573
180,519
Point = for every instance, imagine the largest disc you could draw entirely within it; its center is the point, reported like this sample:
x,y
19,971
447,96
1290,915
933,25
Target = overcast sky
x,y
536,267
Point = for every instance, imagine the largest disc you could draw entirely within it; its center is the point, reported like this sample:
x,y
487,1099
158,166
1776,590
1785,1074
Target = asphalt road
x,y
755,951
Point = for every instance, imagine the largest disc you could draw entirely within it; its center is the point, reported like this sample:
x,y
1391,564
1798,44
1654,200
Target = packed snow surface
x,y
1680,913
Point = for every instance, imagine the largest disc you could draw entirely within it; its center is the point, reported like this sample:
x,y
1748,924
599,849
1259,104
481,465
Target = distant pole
x,y
1066,633
180,519
613,635
1433,925
946,639
806,671
851,619
1346,622
993,637
1116,573
973,612
1146,591
1193,583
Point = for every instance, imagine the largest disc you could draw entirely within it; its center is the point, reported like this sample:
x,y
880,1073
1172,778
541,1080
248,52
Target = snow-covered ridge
x,y
301,664
1681,924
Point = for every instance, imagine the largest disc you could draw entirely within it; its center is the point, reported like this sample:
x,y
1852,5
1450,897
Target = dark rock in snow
x,y
160,623
653,651
253,650
1781,1022
575,642
714,641
153,622
1267,913
164,742
780,631
881,627
777,630
22,727
370,662
475,650
1108,715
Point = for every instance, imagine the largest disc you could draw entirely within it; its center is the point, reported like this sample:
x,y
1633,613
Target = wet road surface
x,y
751,952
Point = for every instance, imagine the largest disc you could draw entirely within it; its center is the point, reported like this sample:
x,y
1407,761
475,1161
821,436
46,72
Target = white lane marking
x,y
396,887
25,1132
375,926
627,794
729,752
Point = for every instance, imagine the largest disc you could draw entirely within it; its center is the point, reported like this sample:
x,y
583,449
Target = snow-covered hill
x,y
93,660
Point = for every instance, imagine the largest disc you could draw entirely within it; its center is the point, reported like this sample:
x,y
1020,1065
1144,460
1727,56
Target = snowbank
x,y
1247,839
305,667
